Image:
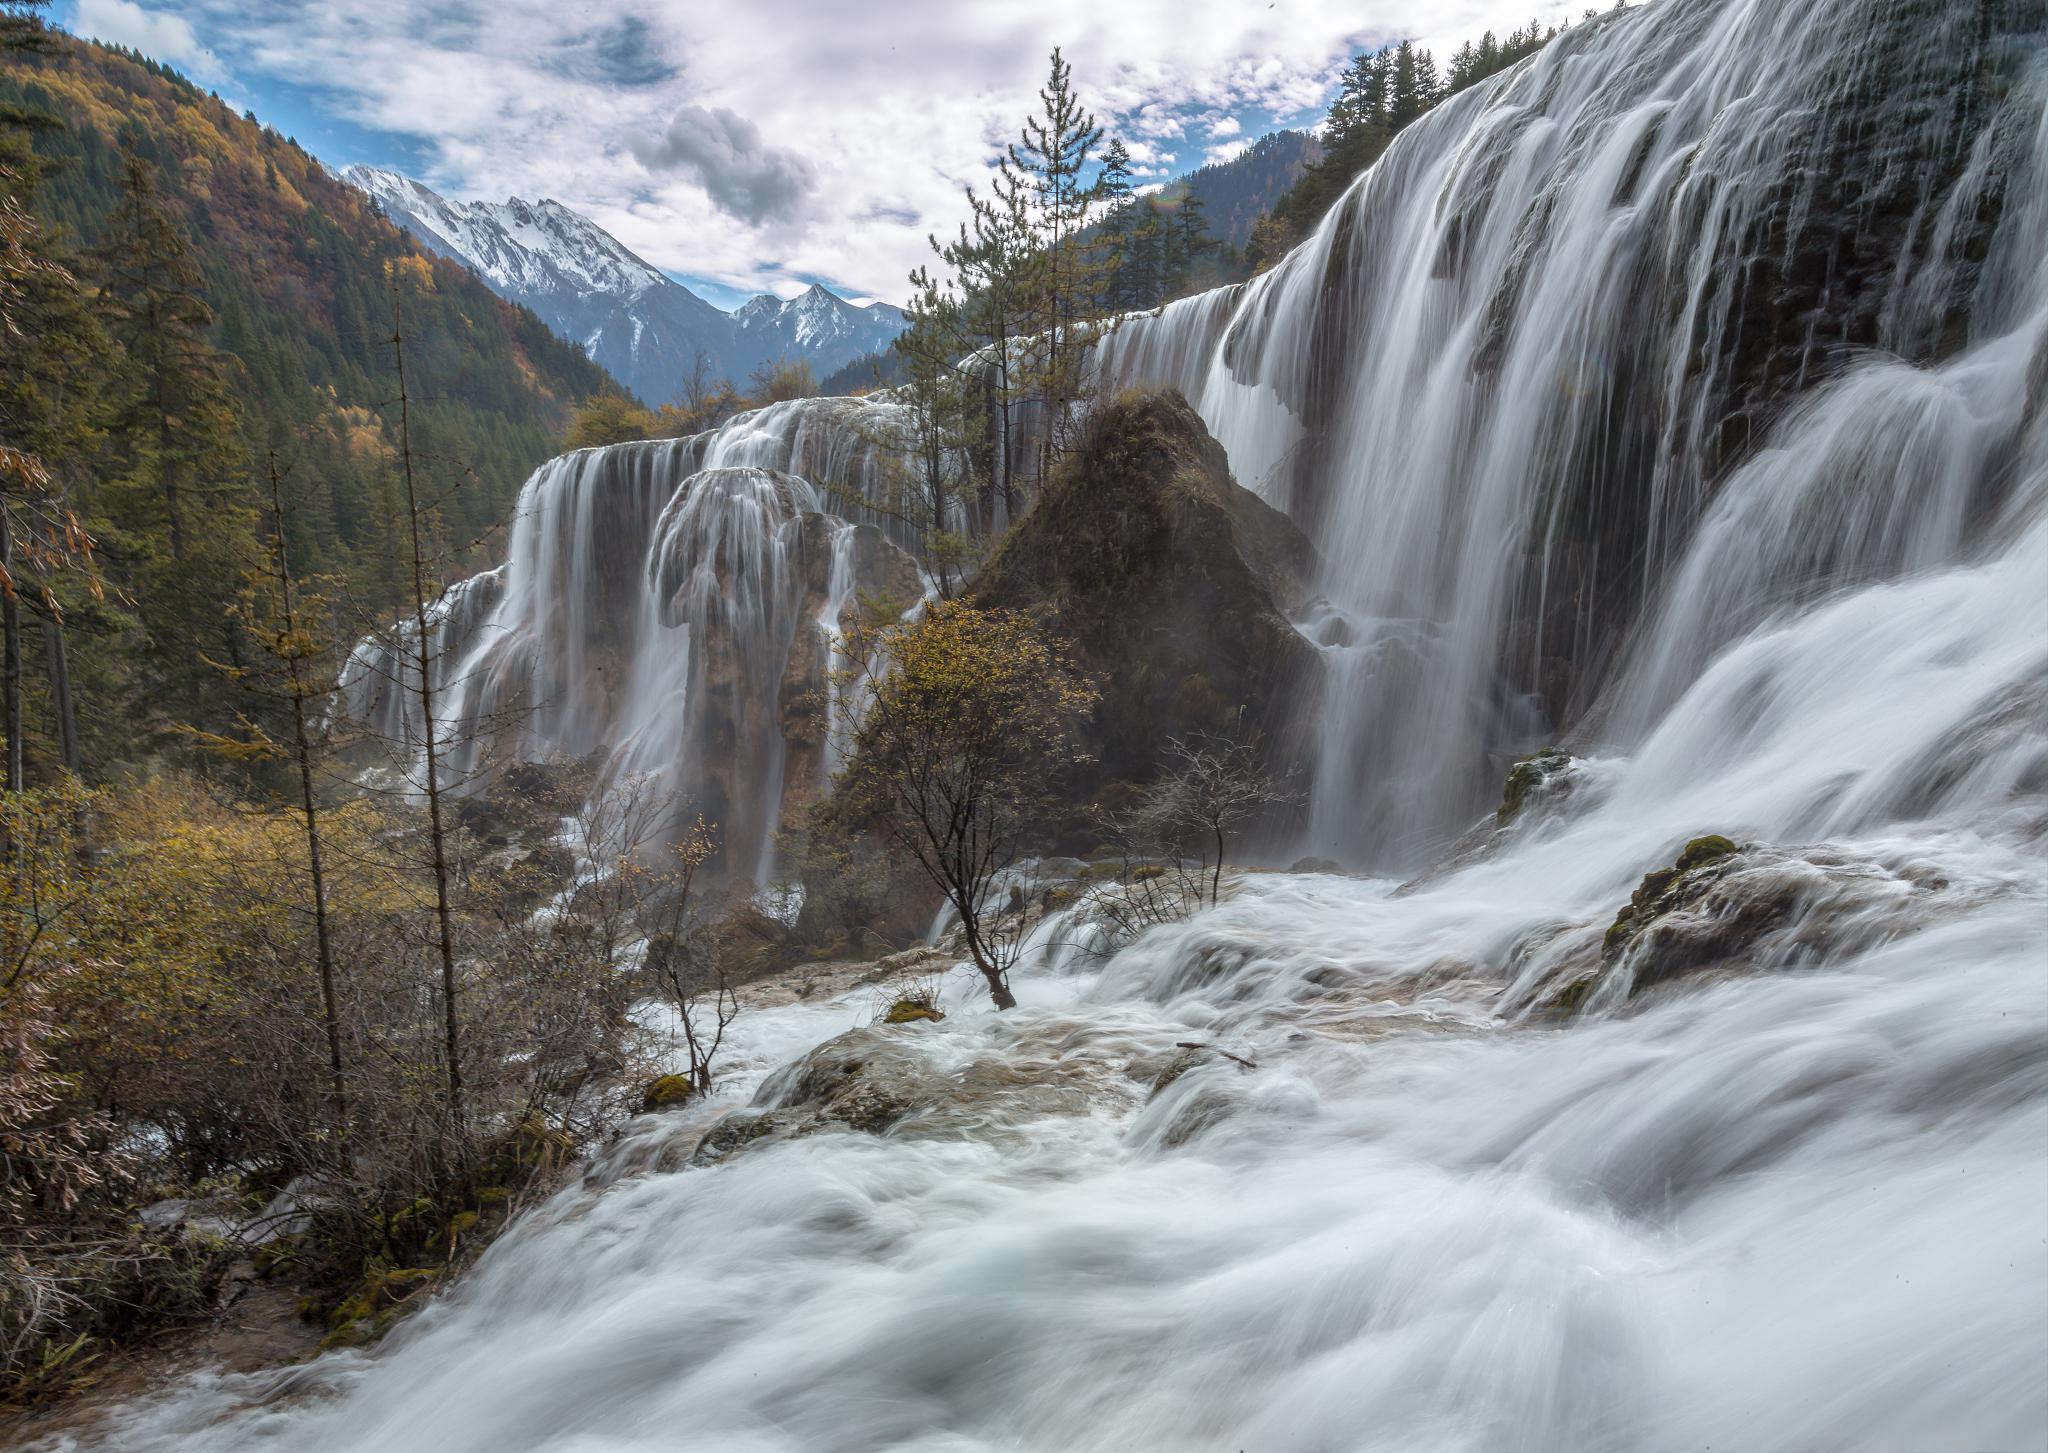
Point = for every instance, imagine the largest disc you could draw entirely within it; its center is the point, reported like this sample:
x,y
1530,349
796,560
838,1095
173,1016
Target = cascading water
x,y
1499,384
650,608
1795,1203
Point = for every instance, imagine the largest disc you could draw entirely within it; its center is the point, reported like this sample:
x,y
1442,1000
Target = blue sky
x,y
768,145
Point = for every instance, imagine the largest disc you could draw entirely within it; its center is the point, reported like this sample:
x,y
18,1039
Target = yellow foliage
x,y
414,270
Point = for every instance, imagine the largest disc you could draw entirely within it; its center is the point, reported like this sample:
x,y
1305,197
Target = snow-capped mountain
x,y
819,325
629,316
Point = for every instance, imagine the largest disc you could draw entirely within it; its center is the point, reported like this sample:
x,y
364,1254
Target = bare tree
x,y
422,641
1214,784
682,954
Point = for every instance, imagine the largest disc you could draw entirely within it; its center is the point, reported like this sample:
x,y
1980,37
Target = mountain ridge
x,y
644,327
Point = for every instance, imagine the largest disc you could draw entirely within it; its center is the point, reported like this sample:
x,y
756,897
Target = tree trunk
x,y
998,986
451,1029
302,742
10,655
60,688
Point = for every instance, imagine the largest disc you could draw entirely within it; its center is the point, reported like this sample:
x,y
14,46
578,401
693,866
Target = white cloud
x,y
1225,151
741,174
163,37
826,144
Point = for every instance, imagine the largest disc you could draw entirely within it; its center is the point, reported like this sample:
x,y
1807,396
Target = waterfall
x,y
1561,381
649,609
1509,373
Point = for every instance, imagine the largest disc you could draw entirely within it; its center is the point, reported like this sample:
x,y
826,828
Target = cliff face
x,y
1172,582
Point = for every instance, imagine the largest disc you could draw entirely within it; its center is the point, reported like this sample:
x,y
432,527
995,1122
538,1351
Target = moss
x,y
666,1093
1526,776
1146,872
382,1289
912,1011
1652,895
1703,850
1572,998
273,1258
494,1198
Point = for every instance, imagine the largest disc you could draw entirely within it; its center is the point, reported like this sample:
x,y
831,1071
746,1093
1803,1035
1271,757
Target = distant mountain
x,y
643,326
1236,193
297,269
818,325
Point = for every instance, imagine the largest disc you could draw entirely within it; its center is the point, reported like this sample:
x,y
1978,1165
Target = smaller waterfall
x,y
673,606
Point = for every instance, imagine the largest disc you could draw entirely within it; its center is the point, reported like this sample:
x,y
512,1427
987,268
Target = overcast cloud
x,y
757,145
742,175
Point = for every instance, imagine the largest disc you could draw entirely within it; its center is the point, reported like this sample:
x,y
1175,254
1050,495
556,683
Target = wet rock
x,y
1541,778
1173,582
1316,865
1179,1065
1663,890
735,1132
1728,907
913,1011
667,1092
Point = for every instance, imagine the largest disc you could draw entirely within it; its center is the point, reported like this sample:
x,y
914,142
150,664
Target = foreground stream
x,y
1799,1204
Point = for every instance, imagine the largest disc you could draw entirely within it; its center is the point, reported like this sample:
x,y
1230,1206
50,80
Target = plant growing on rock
x,y
969,714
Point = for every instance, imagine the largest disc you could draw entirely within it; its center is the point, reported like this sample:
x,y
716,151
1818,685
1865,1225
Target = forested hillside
x,y
1234,194
227,298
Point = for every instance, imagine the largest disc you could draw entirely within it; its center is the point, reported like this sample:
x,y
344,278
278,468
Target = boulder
x,y
1173,583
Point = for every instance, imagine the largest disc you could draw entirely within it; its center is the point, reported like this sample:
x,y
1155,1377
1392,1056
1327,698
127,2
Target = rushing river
x,y
1798,1203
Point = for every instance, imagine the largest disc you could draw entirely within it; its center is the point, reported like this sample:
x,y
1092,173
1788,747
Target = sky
x,y
749,146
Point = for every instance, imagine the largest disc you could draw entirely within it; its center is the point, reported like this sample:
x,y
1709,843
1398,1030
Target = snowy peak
x,y
820,325
518,247
644,326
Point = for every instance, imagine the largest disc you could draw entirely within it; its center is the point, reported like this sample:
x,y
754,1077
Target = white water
x,y
1799,1206
648,608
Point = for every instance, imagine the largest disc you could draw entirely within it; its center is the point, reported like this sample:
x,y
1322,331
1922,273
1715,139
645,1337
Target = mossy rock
x,y
734,1132
1703,850
274,1257
667,1092
1572,998
1661,888
1179,1065
913,1011
380,1288
1529,774
1146,872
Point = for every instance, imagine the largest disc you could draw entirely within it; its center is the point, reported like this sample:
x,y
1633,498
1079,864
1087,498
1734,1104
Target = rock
x,y
1179,1065
1727,906
1662,890
739,1129
912,1011
1315,865
1541,777
667,1092
1172,582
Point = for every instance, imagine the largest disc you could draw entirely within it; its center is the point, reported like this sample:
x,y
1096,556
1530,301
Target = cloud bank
x,y
759,146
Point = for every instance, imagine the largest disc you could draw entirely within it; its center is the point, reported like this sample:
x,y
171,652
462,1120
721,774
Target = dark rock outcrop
x,y
1172,582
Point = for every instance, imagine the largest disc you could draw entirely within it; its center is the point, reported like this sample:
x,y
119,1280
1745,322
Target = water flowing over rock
x,y
675,606
1506,378
1578,381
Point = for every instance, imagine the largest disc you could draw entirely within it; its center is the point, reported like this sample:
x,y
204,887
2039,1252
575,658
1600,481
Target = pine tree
x,y
178,459
1048,169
